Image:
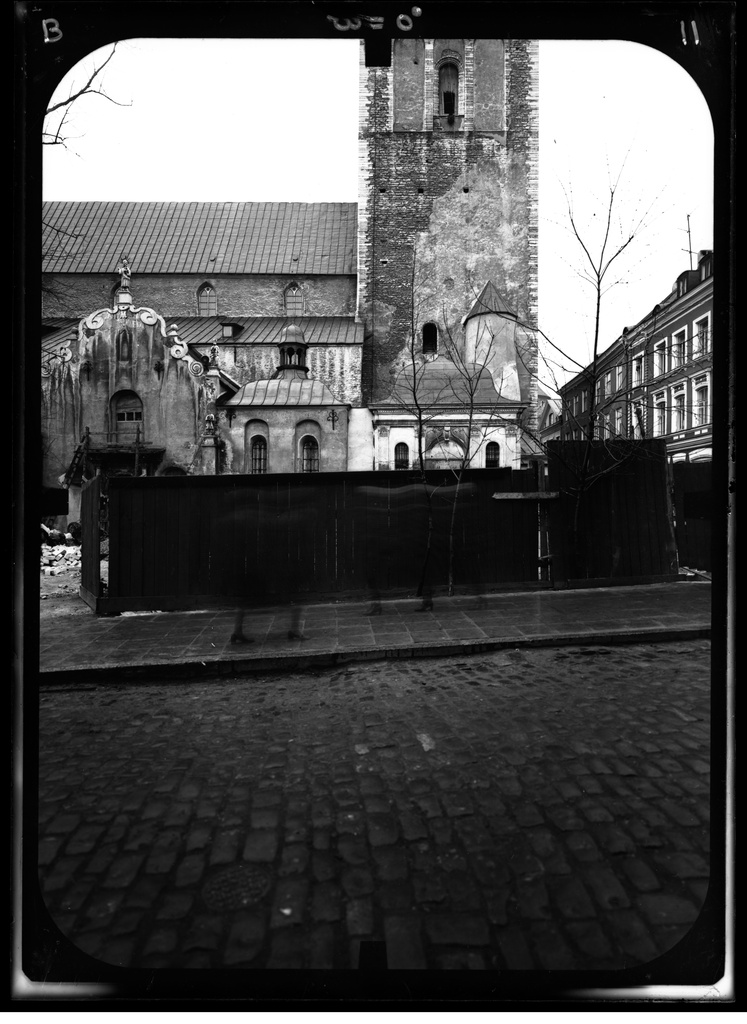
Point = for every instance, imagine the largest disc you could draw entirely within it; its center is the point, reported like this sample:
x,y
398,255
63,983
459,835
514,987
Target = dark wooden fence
x,y
186,542
613,520
190,542
692,484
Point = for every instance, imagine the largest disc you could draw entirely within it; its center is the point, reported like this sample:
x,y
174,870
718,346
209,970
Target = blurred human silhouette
x,y
238,636
295,631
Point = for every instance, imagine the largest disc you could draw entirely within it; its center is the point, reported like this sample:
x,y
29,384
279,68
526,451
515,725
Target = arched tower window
x,y
401,456
492,455
127,416
448,89
309,455
207,301
294,302
430,339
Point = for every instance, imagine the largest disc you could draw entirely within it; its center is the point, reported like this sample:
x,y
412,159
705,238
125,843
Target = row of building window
x,y
293,301
207,300
492,455
675,414
668,414
308,450
668,355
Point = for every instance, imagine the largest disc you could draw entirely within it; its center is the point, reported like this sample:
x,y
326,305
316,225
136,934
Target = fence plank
x,y
90,542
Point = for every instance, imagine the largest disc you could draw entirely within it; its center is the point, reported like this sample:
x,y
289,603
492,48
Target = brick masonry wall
x,y
443,212
77,295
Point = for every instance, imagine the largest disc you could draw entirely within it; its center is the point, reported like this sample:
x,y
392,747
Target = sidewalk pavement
x,y
159,646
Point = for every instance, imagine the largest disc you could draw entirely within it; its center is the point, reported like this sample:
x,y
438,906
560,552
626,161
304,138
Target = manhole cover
x,y
237,887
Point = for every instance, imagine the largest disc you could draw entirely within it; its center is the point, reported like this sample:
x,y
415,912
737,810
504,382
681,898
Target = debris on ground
x,y
58,558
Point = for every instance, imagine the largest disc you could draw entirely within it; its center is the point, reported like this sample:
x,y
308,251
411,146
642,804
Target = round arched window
x,y
259,455
430,339
401,456
309,455
492,455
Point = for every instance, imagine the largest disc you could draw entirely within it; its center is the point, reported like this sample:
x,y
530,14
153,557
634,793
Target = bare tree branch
x,y
54,135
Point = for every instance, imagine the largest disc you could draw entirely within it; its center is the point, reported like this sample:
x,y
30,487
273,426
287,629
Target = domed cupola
x,y
293,347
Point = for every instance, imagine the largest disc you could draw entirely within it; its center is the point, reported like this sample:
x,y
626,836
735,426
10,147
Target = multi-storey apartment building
x,y
655,378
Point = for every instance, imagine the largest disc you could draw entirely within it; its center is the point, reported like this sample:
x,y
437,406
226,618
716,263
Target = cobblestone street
x,y
526,809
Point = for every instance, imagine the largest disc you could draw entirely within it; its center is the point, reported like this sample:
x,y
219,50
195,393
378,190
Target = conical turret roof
x,y
489,300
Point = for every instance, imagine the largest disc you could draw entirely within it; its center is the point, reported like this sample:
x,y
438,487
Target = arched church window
x,y
309,455
448,88
294,303
492,455
401,456
259,455
430,339
207,301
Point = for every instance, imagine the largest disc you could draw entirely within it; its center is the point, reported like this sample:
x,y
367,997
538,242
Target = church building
x,y
258,337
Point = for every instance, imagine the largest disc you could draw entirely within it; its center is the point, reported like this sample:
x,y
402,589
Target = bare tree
x,y
57,242
57,115
463,386
600,257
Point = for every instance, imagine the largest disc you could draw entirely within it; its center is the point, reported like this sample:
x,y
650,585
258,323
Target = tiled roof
x,y
204,330
200,238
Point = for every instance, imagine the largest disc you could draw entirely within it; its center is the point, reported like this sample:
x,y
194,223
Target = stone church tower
x,y
447,199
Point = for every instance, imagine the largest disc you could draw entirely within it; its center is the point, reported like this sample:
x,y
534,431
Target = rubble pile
x,y
58,558
59,552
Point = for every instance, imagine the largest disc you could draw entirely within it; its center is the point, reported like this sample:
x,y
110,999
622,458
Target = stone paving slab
x,y
195,643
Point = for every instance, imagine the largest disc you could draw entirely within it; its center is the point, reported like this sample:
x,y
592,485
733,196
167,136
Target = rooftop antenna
x,y
689,249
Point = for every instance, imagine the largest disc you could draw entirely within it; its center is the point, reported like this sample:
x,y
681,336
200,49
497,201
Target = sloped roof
x,y
489,300
56,333
283,391
440,382
204,330
200,238
266,330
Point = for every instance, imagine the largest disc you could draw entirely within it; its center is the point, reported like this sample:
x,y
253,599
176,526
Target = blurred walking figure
x,y
294,630
260,557
238,637
243,596
233,567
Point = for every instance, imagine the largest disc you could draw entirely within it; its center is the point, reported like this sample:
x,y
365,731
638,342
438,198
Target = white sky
x,y
234,120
